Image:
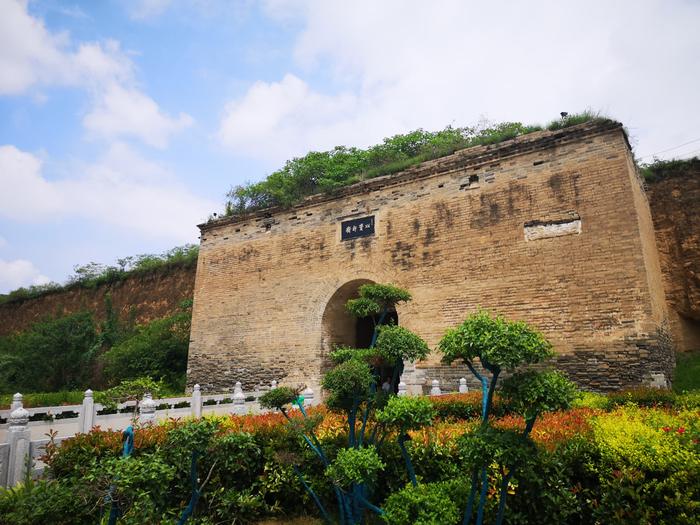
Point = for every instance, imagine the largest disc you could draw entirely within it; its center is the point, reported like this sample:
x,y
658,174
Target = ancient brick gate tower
x,y
552,228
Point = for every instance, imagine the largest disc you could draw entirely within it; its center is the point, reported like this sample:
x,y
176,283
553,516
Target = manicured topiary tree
x,y
502,345
351,389
403,414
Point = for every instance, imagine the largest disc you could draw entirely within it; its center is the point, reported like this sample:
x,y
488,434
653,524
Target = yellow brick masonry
x,y
265,280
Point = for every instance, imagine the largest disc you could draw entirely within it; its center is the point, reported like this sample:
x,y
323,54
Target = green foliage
x,y
687,373
426,504
662,169
495,341
45,399
69,352
95,274
157,349
58,352
396,343
344,353
129,390
238,459
363,307
532,393
355,466
348,384
278,398
406,413
633,465
648,474
487,445
466,406
385,295
147,475
376,298
577,118
45,501
591,400
319,172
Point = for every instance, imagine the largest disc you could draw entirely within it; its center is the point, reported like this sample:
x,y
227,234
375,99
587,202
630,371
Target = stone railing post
x,y
308,396
147,410
402,389
238,399
87,413
19,438
273,384
16,401
435,389
196,403
463,388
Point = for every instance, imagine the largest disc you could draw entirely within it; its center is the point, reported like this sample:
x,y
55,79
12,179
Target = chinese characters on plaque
x,y
357,228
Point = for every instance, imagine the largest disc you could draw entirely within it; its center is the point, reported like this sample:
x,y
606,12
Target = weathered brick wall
x,y
675,205
143,297
268,285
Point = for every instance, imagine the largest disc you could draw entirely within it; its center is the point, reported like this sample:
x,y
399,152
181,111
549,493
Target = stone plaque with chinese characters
x,y
357,228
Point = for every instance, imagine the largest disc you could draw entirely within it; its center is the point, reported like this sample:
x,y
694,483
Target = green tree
x,y
52,355
501,345
157,349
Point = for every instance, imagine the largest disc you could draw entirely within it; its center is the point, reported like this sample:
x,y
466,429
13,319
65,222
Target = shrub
x,y
426,504
648,397
326,171
157,349
355,466
59,352
147,476
45,501
347,383
396,344
647,474
238,459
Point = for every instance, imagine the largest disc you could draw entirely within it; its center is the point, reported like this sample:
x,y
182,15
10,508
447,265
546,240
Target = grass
x,y
324,172
663,169
44,399
64,397
687,375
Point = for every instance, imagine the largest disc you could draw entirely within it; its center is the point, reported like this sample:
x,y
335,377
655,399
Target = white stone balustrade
x,y
22,441
463,388
403,391
435,388
147,410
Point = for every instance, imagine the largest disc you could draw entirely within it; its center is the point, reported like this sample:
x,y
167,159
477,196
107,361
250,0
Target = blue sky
x,y
124,123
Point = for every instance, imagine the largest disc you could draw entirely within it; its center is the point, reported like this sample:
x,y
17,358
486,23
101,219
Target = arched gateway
x,y
339,328
552,228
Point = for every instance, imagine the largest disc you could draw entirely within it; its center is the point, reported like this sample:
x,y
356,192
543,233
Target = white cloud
x,y
31,56
415,64
123,111
121,189
19,272
26,195
28,52
284,116
145,9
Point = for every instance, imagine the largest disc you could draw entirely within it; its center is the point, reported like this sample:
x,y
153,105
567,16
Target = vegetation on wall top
x,y
663,169
94,274
325,171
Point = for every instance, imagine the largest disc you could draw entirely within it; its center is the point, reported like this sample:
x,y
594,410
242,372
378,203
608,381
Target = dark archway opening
x,y
364,328
342,329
